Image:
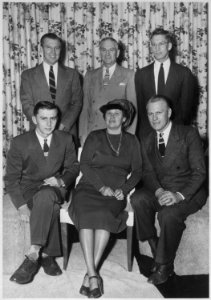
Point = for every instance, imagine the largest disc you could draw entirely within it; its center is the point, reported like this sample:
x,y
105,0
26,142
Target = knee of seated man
x,y
47,196
170,215
139,198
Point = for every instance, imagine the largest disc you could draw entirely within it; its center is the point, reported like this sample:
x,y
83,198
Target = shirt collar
x,y
111,70
41,139
166,63
47,66
166,132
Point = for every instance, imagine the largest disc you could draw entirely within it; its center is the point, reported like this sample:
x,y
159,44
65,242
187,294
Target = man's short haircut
x,y
109,38
51,36
45,105
161,31
158,97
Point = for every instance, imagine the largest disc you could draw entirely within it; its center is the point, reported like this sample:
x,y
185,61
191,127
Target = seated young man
x,y
41,165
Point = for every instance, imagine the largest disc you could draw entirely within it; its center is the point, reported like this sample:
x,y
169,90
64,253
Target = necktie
x,y
106,77
161,145
52,84
45,148
161,81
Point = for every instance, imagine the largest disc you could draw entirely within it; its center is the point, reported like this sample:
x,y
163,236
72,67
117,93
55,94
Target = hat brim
x,y
107,107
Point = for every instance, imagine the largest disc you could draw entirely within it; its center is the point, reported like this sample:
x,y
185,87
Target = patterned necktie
x,y
106,77
45,148
161,81
161,145
52,84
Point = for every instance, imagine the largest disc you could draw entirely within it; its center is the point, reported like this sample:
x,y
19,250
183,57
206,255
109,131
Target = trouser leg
x,y
172,224
44,221
145,207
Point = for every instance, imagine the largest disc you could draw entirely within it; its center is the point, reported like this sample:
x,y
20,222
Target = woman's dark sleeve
x,y
136,166
88,172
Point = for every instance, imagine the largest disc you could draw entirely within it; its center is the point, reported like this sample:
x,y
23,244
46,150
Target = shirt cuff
x,y
181,195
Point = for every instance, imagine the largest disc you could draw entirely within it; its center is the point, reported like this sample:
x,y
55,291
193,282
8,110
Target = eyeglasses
x,y
162,44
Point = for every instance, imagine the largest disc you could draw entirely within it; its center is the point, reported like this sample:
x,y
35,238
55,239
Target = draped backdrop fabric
x,y
82,25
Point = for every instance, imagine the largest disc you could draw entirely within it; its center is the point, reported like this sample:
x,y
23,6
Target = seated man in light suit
x,y
110,81
41,165
174,173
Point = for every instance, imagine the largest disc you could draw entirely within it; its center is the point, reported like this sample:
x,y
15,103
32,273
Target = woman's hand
x,y
119,194
106,191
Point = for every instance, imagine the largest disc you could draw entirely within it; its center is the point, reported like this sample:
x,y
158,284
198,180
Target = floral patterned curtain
x,y
82,25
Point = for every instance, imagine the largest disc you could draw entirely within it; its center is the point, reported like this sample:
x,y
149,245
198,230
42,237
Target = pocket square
x,y
122,83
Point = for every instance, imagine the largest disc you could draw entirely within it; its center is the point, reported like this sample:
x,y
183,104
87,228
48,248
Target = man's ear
x,y
34,120
169,46
169,112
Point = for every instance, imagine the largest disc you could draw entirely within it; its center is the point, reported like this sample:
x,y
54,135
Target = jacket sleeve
x,y
71,165
136,167
26,95
131,96
69,117
197,165
83,120
14,167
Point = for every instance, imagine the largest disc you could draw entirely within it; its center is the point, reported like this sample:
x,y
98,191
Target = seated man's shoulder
x,y
181,68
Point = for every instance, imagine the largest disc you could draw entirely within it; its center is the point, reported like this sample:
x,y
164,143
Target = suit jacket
x,y
180,88
182,169
27,167
121,86
34,88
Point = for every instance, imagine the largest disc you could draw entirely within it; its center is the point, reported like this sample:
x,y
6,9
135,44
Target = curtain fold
x,y
82,25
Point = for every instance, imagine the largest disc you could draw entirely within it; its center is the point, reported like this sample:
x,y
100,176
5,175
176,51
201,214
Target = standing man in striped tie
x,y
53,82
165,77
173,185
110,81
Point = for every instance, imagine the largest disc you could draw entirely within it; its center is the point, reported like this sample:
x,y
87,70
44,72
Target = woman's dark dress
x,y
100,166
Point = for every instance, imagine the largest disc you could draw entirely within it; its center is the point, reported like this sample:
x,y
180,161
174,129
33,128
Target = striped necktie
x,y
161,145
52,84
161,81
45,148
106,77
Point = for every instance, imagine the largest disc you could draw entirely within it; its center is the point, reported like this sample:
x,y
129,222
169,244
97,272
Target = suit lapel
x,y
170,80
61,82
36,152
42,83
117,75
173,146
151,81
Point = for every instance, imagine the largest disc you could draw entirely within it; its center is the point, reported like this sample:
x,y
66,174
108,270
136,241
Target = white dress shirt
x,y
111,70
41,139
47,69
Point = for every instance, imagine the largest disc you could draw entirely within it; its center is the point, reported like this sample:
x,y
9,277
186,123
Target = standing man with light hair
x,y
55,83
104,84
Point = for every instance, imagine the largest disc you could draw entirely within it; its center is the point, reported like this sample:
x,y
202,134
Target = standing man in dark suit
x,y
53,82
174,173
110,81
41,165
164,77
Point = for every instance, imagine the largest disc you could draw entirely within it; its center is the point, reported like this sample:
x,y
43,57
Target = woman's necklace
x,y
112,147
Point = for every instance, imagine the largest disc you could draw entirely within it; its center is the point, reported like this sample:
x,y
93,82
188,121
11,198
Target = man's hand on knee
x,y
24,213
168,198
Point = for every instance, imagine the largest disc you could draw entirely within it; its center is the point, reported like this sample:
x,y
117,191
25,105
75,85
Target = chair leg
x,y
129,247
65,244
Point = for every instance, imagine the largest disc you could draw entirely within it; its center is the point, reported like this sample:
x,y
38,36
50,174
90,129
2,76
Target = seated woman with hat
x,y
97,209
